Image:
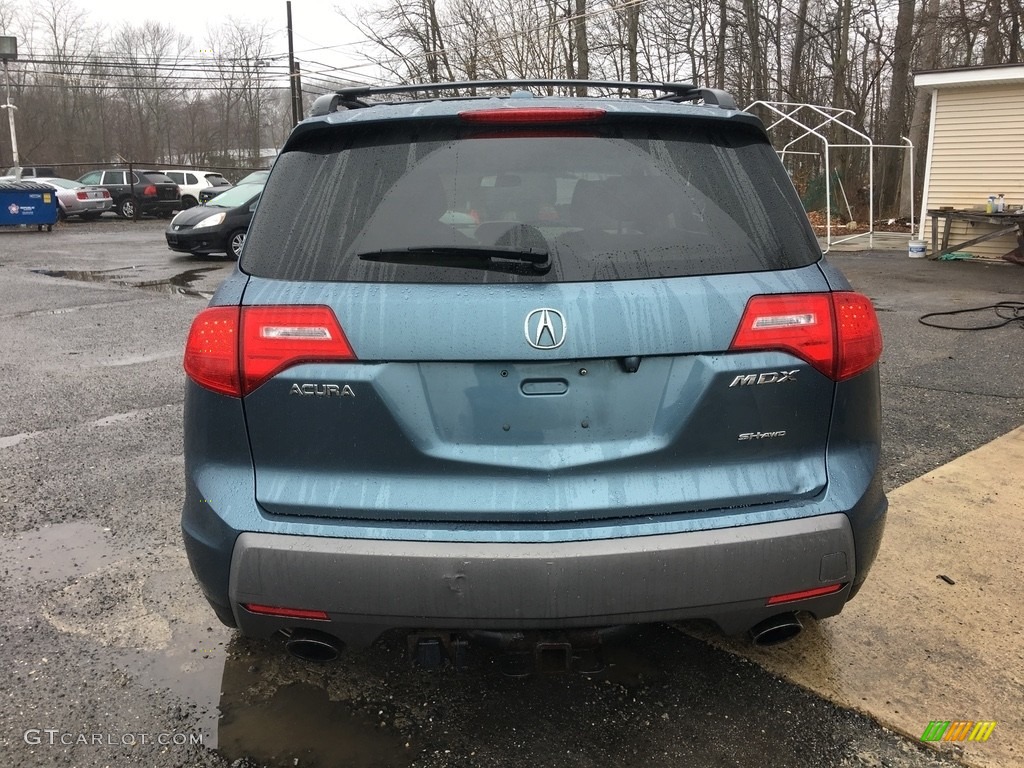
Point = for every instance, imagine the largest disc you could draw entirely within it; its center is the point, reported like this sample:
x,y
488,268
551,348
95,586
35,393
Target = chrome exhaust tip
x,y
313,646
776,630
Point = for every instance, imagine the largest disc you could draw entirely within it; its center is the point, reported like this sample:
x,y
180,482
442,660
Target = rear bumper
x,y
149,205
89,206
369,586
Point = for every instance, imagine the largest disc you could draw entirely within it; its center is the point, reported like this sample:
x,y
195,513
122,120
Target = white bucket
x,y
916,249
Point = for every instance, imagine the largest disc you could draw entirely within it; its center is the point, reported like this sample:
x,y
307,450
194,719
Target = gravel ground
x,y
105,635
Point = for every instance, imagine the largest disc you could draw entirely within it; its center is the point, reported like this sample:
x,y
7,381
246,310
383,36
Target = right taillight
x,y
232,350
837,333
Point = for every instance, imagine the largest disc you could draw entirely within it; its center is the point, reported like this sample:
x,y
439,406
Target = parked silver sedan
x,y
77,199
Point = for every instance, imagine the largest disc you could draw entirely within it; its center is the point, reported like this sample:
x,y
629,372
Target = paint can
x,y
916,249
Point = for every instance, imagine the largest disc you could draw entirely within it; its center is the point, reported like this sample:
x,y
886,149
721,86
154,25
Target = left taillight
x,y
211,352
232,350
837,333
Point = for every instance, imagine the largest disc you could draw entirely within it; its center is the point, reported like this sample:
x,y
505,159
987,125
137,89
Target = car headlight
x,y
212,221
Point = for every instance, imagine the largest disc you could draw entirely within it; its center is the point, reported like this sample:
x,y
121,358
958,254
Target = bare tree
x,y
899,89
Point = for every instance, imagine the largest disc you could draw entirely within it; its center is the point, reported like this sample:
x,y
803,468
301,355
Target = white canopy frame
x,y
811,120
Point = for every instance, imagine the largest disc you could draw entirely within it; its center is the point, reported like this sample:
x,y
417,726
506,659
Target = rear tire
x,y
126,208
188,202
91,216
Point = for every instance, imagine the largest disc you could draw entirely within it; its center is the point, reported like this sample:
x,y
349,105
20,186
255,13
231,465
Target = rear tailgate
x,y
452,413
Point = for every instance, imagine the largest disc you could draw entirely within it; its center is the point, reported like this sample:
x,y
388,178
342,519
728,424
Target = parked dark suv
x,y
137,191
494,364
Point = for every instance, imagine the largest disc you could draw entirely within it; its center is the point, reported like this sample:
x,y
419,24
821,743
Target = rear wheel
x,y
188,202
126,208
91,215
235,242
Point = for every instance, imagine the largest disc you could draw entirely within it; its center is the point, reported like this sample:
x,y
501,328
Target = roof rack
x,y
352,98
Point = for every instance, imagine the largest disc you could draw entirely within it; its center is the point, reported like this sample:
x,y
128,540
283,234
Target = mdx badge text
x,y
768,377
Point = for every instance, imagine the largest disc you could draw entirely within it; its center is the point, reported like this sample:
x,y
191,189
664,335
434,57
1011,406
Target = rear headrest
x,y
594,205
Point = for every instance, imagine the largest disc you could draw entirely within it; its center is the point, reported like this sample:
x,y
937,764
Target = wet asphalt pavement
x,y
113,658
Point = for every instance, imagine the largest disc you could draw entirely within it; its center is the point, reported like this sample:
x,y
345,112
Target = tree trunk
x,y
723,11
795,64
931,44
895,120
632,37
992,53
582,46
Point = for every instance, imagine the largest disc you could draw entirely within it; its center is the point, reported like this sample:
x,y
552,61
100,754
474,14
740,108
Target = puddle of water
x,y
93,590
179,284
300,725
56,552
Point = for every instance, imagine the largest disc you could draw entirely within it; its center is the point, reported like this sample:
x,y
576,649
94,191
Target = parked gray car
x,y
506,366
77,199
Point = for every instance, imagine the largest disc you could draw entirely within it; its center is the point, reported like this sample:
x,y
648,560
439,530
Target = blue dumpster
x,y
28,203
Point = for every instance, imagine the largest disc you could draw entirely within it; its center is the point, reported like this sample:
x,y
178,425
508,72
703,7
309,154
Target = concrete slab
x,y
913,647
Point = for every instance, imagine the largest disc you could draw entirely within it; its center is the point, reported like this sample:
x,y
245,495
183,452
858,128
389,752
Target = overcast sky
x,y
320,33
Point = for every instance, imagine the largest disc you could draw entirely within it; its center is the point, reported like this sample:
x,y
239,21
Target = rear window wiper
x,y
472,256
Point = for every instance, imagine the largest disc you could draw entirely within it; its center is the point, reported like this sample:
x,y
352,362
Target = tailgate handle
x,y
544,386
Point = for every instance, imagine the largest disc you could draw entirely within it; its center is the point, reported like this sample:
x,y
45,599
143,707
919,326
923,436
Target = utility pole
x,y
296,97
9,52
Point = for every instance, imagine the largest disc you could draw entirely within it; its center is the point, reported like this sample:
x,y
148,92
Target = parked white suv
x,y
191,181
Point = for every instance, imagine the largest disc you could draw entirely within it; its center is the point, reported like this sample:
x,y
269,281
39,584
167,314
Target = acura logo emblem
x,y
544,328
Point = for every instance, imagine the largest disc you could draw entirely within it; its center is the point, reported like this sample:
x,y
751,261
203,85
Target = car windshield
x,y
235,196
624,201
255,177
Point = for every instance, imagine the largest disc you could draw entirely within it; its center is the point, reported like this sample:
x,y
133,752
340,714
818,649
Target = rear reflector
x,y
837,333
288,613
532,115
791,597
232,350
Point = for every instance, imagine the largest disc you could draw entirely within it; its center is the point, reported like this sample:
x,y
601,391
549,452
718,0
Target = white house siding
x,y
977,150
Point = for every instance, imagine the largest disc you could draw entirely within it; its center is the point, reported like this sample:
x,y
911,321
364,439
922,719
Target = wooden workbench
x,y
1007,223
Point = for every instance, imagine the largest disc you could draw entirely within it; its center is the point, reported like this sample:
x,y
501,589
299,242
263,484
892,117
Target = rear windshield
x,y
438,203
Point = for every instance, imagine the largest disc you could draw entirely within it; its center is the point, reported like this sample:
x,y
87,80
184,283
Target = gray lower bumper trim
x,y
632,580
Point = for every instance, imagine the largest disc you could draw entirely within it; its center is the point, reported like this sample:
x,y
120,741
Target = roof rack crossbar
x,y
352,97
713,96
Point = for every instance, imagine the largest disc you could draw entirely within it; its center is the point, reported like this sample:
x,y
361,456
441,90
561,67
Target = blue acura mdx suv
x,y
496,360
